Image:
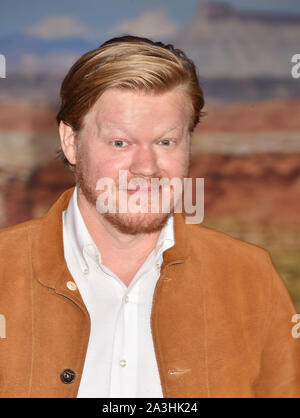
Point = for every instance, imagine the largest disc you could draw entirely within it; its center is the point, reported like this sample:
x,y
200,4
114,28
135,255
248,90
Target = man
x,y
137,303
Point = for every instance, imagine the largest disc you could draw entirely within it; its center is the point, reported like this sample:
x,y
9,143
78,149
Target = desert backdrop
x,y
246,147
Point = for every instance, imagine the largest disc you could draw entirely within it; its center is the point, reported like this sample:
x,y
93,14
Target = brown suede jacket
x,y
221,316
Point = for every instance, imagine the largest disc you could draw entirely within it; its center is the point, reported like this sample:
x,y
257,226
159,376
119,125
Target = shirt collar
x,y
83,244
77,234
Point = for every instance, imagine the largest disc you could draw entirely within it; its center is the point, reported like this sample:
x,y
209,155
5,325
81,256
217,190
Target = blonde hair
x,y
128,62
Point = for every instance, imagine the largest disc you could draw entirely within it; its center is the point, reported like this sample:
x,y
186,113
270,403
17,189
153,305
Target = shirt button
x,y
123,363
158,266
86,271
126,299
67,376
71,286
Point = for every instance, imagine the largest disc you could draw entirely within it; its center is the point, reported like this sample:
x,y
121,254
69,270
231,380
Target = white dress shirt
x,y
120,359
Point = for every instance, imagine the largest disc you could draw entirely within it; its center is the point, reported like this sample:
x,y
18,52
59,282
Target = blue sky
x,y
95,18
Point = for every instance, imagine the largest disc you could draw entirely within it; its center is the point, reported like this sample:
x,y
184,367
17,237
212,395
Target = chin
x,y
137,223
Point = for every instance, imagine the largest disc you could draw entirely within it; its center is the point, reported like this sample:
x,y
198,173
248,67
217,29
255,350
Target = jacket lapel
x,y
49,266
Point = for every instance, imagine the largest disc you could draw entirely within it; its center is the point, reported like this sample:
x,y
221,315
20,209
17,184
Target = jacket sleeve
x,y
279,374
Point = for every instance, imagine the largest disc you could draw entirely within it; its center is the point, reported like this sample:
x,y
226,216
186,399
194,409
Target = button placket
x,y
130,352
123,363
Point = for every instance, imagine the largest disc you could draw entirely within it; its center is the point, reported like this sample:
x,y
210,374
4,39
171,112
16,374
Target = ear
x,y
68,142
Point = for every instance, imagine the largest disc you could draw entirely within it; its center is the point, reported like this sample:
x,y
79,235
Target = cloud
x,y
52,63
152,23
58,27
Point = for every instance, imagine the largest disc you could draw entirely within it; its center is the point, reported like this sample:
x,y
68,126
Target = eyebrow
x,y
122,128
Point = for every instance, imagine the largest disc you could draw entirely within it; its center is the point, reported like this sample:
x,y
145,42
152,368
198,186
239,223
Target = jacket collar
x,y
47,247
48,260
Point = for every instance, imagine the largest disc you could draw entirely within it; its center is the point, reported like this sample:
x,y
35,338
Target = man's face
x,y
146,135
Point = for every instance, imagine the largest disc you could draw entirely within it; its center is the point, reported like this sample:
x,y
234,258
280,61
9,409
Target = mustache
x,y
149,183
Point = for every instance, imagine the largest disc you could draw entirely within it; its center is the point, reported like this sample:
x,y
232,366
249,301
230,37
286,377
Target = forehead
x,y
133,110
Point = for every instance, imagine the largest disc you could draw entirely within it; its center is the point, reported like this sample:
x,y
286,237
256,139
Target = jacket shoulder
x,y
223,245
13,237
245,268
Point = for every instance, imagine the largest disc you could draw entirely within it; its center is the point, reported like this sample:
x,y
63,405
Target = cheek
x,y
96,161
103,166
177,166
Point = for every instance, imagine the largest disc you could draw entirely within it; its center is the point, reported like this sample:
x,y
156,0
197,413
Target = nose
x,y
144,163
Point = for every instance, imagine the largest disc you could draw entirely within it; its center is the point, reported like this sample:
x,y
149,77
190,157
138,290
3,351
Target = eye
x,y
119,143
166,142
